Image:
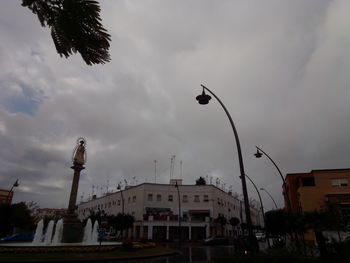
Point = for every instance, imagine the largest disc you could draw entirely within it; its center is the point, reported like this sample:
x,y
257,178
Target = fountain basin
x,y
62,247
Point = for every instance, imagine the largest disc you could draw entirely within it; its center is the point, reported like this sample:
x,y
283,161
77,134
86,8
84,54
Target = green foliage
x,y
75,27
201,181
15,216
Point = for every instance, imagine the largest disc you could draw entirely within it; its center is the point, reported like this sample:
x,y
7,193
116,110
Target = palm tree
x,y
75,27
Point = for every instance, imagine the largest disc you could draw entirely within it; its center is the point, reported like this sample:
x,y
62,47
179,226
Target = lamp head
x,y
16,184
258,154
118,187
203,99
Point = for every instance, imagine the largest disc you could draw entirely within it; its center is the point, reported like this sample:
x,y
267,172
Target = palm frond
x,y
75,27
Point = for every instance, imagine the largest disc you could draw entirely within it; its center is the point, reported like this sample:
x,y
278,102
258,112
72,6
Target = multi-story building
x,y
156,207
319,188
6,196
41,213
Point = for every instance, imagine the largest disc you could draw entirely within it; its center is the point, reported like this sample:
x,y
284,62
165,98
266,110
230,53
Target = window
x,y
170,198
159,198
206,198
109,204
134,199
308,181
340,182
219,201
150,197
118,202
129,200
184,199
196,198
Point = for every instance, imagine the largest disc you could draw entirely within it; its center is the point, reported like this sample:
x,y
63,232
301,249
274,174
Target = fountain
x,y
94,235
87,232
48,233
58,233
38,237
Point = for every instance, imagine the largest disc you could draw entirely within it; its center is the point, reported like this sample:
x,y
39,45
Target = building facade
x,y
5,196
155,208
318,189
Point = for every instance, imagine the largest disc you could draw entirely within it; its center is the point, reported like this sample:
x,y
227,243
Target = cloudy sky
x,y
280,67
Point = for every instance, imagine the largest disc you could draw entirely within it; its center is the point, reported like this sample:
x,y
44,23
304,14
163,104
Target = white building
x,y
156,208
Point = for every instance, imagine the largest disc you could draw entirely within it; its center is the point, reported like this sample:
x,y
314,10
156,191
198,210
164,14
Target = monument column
x,y
72,227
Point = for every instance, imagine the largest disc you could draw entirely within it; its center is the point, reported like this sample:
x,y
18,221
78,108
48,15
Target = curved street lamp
x,y
15,184
179,217
261,205
204,99
273,200
259,154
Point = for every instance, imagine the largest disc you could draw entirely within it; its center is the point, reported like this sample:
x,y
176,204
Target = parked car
x,y
19,237
216,240
260,236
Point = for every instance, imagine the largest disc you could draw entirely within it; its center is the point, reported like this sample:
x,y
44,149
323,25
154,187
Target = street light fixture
x,y
258,154
121,193
179,216
261,205
204,99
273,200
15,184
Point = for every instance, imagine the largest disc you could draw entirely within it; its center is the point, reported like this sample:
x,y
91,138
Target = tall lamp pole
x,y
261,204
273,200
258,154
121,193
203,99
179,217
15,184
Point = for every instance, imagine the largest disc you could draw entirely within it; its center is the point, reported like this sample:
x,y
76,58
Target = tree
x,y
222,221
15,216
120,222
75,27
276,222
201,181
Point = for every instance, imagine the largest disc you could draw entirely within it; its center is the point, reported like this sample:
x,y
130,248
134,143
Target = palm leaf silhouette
x,y
75,27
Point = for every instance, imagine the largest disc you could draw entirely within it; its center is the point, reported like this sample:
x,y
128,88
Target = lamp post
x,y
261,205
259,154
203,99
179,217
15,184
273,200
121,193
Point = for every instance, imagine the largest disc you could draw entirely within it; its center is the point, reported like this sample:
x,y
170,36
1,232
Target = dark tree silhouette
x,y
15,216
75,27
201,181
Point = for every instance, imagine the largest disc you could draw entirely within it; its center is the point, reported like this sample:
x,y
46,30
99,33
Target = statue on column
x,y
79,153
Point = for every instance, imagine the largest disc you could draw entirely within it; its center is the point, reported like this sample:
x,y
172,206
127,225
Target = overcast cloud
x,y
281,68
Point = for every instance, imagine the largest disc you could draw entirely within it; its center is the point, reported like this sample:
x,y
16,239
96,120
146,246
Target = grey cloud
x,y
280,68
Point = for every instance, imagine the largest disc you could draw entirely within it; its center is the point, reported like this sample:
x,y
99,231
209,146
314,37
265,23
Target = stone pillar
x,y
72,227
74,190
